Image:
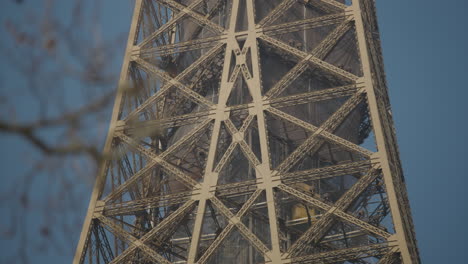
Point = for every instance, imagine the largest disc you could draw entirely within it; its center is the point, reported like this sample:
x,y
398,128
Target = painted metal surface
x,y
242,133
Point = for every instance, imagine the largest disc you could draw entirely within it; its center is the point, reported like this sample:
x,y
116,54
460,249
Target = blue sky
x,y
425,54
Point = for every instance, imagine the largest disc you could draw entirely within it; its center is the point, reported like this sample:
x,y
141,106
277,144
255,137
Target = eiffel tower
x,y
251,131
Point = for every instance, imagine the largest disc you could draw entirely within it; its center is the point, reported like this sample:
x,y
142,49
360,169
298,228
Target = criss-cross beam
x,y
201,20
244,231
303,98
325,135
227,230
171,23
150,68
321,227
136,128
211,176
124,235
310,58
179,47
347,254
276,12
227,156
311,97
135,206
170,82
153,162
166,166
314,141
236,188
318,53
334,210
330,41
238,136
171,220
325,172
131,130
304,24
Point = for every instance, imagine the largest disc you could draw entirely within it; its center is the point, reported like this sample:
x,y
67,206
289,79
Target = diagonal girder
x,y
331,40
246,123
321,227
169,24
303,98
319,52
334,210
310,97
295,72
202,20
175,121
246,233
137,132
277,12
304,24
314,141
311,59
240,139
101,242
172,219
166,77
226,157
324,134
171,169
217,242
153,162
340,255
135,206
199,62
124,235
180,47
325,172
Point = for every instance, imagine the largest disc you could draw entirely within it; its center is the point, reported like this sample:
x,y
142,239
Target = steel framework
x,y
242,133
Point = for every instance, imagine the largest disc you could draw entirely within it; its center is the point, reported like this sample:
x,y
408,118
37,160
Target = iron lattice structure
x,y
251,131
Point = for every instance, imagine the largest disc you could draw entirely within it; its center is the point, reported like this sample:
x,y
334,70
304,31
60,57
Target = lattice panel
x,y
251,131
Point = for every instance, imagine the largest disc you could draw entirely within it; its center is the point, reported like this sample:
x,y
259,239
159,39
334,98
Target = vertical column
x,y
383,152
264,168
211,177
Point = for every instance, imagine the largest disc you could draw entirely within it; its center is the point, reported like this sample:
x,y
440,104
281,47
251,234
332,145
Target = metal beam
x,y
322,226
227,230
340,255
203,59
246,233
330,137
172,219
311,59
202,20
124,235
184,127
325,172
313,142
178,47
334,210
277,12
304,24
153,162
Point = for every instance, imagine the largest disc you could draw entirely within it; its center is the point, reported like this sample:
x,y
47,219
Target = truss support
x,y
246,140
381,123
